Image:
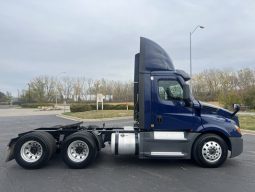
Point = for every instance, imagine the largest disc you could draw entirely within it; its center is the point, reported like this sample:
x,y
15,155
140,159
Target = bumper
x,y
236,146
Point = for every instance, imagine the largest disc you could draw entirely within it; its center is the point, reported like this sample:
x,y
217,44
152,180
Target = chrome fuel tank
x,y
124,143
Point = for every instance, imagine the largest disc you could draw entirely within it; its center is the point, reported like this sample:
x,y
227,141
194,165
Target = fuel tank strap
x,y
116,143
136,144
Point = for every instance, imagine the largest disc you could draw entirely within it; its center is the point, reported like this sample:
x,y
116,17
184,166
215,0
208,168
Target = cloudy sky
x,y
98,39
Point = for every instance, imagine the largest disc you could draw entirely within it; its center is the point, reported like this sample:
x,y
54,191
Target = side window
x,y
170,90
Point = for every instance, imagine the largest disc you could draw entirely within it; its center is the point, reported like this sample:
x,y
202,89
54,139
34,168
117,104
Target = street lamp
x,y
29,93
190,61
56,86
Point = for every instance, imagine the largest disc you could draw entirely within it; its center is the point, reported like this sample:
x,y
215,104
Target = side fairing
x,y
150,58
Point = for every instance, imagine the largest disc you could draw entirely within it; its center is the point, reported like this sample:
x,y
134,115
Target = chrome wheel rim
x,y
31,151
78,151
211,151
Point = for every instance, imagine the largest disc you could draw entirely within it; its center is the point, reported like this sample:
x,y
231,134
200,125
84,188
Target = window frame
x,y
169,79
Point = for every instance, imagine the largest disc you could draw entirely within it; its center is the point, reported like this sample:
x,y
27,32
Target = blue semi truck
x,y
169,123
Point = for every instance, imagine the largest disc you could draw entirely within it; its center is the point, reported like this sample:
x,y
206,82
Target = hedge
x,y
88,107
80,108
36,105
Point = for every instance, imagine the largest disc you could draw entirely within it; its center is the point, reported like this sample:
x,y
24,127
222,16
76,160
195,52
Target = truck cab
x,y
172,120
169,123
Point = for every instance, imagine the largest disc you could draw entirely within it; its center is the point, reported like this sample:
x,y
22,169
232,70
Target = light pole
x,y
56,86
29,93
190,53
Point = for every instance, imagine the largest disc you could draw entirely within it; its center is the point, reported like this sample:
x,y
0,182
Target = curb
x,y
246,113
245,131
93,120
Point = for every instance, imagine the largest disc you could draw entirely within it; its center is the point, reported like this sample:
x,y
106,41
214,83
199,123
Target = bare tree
x,y
66,88
79,88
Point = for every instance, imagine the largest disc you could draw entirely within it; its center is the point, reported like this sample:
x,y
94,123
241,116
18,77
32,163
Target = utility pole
x,y
29,93
190,52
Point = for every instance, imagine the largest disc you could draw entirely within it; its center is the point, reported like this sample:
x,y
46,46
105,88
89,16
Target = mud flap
x,y
10,150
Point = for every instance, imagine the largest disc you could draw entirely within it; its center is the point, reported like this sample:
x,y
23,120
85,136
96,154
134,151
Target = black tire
x,y
203,157
88,139
51,140
47,148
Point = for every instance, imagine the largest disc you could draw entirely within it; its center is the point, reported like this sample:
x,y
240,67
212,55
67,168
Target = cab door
x,y
169,112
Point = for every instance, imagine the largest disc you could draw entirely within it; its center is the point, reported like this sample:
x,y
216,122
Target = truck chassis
x,y
79,145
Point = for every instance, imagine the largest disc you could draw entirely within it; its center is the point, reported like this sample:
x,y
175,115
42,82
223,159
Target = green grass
x,y
247,122
101,114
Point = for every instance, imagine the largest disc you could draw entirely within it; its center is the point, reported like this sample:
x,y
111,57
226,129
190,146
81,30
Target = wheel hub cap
x,y
34,150
31,151
211,151
78,151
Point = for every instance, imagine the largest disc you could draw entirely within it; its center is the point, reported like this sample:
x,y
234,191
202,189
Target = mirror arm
x,y
188,102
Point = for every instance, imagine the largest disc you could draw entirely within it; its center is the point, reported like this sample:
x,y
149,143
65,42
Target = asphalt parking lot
x,y
112,174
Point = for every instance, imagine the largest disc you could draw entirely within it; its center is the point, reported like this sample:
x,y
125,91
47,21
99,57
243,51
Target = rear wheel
x,y
34,149
210,150
79,150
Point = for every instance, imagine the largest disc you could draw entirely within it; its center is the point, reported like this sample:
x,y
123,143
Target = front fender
x,y
213,128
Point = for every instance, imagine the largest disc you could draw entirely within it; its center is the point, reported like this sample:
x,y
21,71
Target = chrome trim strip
x,y
168,135
128,128
172,154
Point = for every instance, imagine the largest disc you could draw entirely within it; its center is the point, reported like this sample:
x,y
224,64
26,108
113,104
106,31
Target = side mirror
x,y
186,95
186,92
236,108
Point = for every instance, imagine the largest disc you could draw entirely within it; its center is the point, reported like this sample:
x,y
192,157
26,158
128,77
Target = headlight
x,y
238,129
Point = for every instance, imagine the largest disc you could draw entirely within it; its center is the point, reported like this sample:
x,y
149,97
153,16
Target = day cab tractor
x,y
168,123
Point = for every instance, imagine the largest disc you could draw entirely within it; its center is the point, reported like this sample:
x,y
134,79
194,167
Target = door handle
x,y
159,119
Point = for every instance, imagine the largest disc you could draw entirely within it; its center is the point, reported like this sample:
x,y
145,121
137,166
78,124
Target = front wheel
x,y
210,151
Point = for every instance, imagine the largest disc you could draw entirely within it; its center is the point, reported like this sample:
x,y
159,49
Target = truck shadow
x,y
132,161
106,159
